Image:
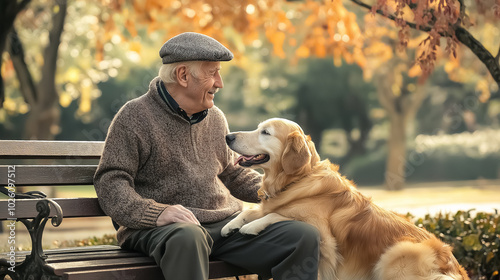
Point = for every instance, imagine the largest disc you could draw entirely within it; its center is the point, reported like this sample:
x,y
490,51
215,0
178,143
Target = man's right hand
x,y
176,214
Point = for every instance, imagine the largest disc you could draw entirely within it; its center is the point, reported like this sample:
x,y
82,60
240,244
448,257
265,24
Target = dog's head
x,y
276,145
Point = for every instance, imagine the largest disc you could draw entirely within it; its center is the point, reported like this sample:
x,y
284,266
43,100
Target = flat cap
x,y
190,46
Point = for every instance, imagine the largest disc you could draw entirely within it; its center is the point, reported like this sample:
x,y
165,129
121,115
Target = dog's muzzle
x,y
230,139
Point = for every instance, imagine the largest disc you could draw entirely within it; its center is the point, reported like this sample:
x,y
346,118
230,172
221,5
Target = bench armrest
x,y
36,225
36,260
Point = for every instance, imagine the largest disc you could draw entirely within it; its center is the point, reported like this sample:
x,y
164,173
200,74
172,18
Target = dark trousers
x,y
286,250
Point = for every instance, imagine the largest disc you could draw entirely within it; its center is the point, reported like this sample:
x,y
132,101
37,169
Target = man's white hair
x,y
168,73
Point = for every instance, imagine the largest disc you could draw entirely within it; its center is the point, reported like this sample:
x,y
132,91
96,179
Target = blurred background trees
x,y
367,80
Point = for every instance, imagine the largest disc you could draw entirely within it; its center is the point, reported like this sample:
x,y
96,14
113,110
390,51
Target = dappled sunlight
x,y
479,143
433,198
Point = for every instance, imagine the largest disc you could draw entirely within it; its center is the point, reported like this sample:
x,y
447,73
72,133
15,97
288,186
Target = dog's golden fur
x,y
360,240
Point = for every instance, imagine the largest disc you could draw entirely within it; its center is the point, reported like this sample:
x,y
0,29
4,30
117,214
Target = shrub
x,y
475,239
368,169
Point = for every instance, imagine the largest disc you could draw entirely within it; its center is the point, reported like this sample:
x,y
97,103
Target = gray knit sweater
x,y
154,158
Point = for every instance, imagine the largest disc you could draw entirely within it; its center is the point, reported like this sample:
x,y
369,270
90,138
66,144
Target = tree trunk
x,y
395,175
401,109
8,12
43,122
44,117
44,113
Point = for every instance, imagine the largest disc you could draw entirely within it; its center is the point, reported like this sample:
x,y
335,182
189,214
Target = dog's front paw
x,y
253,228
230,227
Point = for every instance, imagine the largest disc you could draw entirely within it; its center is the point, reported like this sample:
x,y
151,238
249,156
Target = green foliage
x,y
366,169
328,96
475,240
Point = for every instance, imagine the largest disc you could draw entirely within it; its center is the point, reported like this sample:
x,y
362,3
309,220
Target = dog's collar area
x,y
263,195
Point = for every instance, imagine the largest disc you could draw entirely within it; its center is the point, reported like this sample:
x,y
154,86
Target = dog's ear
x,y
312,149
296,154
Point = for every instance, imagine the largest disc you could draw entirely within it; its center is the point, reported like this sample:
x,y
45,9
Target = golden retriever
x,y
359,240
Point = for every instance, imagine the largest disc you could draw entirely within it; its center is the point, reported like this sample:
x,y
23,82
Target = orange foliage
x,y
329,29
313,28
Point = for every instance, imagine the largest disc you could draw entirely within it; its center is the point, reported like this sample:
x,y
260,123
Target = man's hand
x,y
176,214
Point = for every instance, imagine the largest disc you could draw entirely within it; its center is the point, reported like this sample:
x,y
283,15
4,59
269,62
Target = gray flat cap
x,y
193,46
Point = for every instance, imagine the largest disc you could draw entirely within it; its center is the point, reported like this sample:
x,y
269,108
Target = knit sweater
x,y
154,158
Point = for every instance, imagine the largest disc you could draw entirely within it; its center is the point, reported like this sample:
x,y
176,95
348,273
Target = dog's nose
x,y
230,138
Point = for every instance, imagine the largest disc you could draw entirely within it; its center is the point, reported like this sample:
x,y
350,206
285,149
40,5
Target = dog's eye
x,y
265,132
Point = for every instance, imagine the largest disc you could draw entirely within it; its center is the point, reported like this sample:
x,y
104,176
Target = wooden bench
x,y
65,163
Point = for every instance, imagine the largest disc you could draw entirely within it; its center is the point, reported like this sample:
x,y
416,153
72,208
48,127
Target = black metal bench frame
x,y
34,210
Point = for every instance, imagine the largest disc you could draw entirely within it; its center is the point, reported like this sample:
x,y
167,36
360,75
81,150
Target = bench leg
x,y
34,266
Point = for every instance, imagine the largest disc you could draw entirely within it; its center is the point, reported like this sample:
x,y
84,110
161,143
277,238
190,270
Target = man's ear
x,y
181,74
296,154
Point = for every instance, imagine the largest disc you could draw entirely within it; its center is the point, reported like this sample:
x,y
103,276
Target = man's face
x,y
202,88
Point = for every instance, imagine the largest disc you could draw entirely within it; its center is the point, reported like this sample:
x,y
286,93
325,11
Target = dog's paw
x,y
226,230
253,228
230,227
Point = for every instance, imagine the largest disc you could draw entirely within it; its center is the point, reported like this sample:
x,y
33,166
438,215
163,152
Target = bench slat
x,y
11,149
72,208
78,253
92,256
49,175
113,254
69,250
143,272
218,269
64,267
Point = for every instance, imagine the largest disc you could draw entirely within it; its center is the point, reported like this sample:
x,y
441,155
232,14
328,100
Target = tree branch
x,y
463,36
386,98
393,17
462,9
492,63
498,56
415,100
26,83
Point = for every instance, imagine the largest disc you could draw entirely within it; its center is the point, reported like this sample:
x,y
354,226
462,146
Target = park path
x,y
431,198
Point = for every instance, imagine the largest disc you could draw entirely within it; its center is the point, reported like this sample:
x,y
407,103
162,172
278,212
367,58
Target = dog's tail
x,y
427,260
448,264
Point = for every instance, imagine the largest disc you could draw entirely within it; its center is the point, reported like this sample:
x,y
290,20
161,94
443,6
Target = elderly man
x,y
167,178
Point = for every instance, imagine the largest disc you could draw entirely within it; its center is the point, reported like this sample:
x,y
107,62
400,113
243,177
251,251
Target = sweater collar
x,y
174,106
